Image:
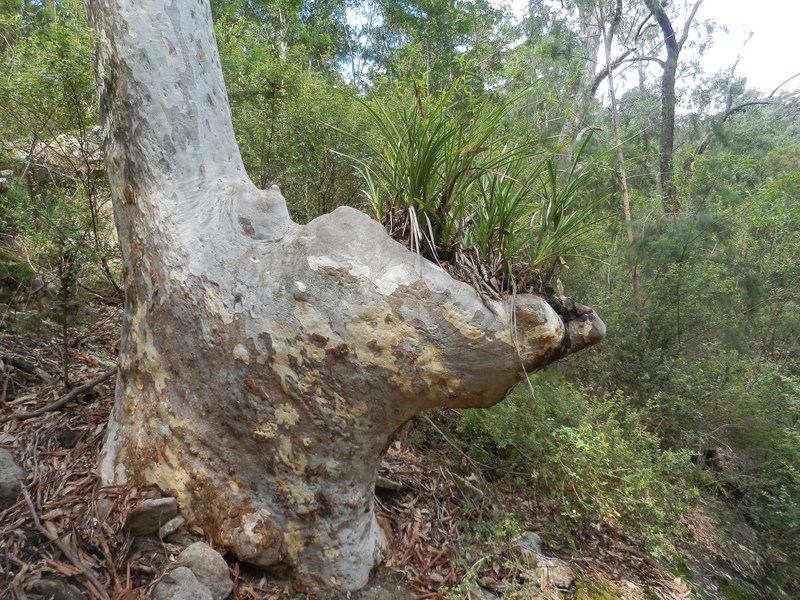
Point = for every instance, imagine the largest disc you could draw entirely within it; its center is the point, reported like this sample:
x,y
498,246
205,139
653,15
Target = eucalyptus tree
x,y
263,364
279,96
439,39
608,32
320,26
674,41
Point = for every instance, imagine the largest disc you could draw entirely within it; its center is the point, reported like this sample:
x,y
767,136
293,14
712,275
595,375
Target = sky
x,y
773,53
770,57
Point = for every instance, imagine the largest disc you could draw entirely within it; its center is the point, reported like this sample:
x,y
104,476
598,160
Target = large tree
x,y
674,43
264,364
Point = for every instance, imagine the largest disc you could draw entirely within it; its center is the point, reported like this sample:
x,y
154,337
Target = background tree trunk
x,y
263,364
608,40
589,34
674,44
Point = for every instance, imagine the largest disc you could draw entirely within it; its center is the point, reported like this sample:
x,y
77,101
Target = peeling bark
x,y
264,364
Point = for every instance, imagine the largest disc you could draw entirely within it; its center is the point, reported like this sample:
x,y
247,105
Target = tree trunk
x,y
590,37
264,364
608,39
669,193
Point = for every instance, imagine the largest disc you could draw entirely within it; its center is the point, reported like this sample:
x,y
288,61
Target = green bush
x,y
588,458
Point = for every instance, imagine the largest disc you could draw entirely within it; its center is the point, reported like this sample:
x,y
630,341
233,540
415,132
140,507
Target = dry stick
x,y
5,390
454,446
24,365
75,559
69,397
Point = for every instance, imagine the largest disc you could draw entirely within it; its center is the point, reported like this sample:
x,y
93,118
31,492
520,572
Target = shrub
x,y
588,458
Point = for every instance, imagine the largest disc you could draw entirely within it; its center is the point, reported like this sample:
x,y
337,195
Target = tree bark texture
x,y
264,364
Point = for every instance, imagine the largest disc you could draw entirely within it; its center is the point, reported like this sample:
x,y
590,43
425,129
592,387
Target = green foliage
x,y
731,591
445,176
55,232
47,87
53,214
594,589
277,101
433,39
591,459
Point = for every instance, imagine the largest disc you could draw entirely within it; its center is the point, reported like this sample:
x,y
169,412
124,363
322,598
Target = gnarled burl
x,y
264,364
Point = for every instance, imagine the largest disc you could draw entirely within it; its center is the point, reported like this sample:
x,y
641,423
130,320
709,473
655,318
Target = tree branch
x,y
622,59
64,400
687,24
703,146
775,91
97,587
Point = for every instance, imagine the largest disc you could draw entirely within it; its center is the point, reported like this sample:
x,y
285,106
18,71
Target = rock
x,y
180,539
10,475
209,568
480,593
468,487
528,541
5,180
170,527
181,584
552,572
53,589
68,438
150,515
382,483
384,585
558,574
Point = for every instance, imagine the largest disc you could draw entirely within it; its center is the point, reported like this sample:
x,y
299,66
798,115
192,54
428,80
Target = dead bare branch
x,y
64,400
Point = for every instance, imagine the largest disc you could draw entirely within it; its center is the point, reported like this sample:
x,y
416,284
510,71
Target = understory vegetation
x,y
462,131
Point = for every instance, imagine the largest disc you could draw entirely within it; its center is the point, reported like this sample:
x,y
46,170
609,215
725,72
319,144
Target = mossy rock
x,y
732,591
680,568
16,275
594,589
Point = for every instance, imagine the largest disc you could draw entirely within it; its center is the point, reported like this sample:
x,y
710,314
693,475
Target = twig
x,y
5,390
76,560
63,401
472,461
24,365
454,446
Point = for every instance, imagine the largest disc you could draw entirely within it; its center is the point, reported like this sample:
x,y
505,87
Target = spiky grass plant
x,y
445,176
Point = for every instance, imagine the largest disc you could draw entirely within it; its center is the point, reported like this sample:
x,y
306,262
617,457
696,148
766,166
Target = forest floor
x,y
449,540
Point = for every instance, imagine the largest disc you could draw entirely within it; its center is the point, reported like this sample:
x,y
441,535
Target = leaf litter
x,y
66,530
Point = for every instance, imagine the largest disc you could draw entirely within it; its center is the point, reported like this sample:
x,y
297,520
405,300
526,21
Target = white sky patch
x,y
768,59
773,53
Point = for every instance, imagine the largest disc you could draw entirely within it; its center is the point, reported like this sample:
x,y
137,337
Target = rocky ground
x,y
65,536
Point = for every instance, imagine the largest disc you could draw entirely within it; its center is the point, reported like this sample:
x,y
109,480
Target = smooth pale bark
x,y
264,364
608,39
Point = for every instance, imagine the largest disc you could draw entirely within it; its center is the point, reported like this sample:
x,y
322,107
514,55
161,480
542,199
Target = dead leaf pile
x,y
66,531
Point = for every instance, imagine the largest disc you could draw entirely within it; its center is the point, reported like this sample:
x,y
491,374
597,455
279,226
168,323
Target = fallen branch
x,y
97,587
64,400
24,365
